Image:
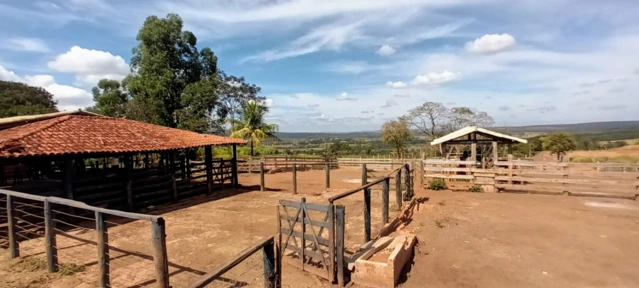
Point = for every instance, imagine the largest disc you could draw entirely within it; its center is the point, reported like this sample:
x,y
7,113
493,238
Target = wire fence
x,y
90,243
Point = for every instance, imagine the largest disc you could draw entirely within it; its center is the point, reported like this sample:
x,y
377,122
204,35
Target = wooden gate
x,y
311,237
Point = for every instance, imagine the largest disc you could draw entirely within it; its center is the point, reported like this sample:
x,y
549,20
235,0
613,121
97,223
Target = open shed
x,y
109,162
477,143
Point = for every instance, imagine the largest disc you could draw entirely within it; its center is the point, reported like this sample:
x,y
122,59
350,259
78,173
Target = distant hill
x,y
580,128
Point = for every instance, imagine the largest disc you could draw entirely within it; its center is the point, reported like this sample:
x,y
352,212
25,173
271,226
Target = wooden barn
x,y
110,162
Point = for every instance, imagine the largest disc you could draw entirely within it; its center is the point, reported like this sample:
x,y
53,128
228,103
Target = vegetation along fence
x,y
74,237
614,180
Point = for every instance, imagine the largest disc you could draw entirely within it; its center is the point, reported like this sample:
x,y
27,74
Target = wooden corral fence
x,y
307,246
53,214
272,265
614,180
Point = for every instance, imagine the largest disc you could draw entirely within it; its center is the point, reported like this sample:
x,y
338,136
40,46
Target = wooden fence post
x,y
50,243
385,196
364,175
398,188
331,240
103,250
234,167
303,224
270,276
278,251
294,179
14,245
158,232
208,161
339,242
328,176
367,214
261,176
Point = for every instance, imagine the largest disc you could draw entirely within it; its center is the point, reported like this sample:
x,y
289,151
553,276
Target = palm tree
x,y
252,126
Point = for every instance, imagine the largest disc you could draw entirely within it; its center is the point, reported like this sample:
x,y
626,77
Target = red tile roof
x,y
75,134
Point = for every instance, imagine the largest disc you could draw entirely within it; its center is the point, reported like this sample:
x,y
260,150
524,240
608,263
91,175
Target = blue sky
x,y
351,65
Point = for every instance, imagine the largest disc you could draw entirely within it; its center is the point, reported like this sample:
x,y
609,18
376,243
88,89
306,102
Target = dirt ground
x,y
465,239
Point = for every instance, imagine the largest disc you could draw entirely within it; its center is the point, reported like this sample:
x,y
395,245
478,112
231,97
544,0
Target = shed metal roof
x,y
474,129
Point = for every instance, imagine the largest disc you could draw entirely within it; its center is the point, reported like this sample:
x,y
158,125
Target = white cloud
x,y
345,97
491,44
397,85
433,78
7,75
90,65
25,44
68,97
389,103
386,50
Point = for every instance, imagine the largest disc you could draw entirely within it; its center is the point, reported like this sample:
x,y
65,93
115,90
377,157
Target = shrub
x,y
437,184
476,189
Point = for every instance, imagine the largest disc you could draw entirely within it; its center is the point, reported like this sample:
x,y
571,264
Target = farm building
x,y
477,143
109,162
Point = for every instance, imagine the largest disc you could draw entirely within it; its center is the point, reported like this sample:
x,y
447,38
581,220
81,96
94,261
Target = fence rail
x,y
56,213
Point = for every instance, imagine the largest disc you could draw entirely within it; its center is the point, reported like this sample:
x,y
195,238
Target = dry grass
x,y
626,154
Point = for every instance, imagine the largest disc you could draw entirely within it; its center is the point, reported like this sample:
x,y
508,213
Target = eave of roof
x,y
471,129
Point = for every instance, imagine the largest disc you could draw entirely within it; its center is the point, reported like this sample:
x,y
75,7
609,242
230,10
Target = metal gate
x,y
311,237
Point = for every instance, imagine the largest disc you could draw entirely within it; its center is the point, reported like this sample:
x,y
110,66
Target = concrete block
x,y
381,266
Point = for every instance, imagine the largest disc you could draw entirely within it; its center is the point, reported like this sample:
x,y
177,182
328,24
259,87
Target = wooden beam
x,y
367,214
50,241
161,263
234,166
339,243
294,179
103,250
495,152
385,196
14,244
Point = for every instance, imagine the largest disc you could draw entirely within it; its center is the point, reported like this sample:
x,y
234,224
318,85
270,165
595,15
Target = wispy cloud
x,y
25,44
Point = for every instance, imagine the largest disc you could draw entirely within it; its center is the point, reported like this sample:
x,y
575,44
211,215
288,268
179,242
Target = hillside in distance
x,y
579,128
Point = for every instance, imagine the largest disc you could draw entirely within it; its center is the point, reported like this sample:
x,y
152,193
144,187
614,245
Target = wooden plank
x,y
449,176
530,163
206,279
103,250
447,162
569,181
331,239
313,222
309,206
298,234
353,191
448,169
559,189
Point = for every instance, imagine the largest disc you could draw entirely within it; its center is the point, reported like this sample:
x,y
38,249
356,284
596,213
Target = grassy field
x,y
627,154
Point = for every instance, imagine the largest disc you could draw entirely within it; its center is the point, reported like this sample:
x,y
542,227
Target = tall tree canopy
x,y
233,93
110,99
397,133
172,80
251,125
559,143
433,119
17,99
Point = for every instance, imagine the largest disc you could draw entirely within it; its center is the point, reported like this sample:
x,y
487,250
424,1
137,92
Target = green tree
x,y
18,99
396,133
173,82
559,143
233,93
251,125
110,99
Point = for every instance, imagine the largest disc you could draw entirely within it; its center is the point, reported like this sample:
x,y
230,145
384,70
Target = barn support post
x,y
3,179
49,235
158,233
495,152
128,168
103,250
208,162
473,153
187,160
510,148
172,169
234,166
68,177
183,165
14,244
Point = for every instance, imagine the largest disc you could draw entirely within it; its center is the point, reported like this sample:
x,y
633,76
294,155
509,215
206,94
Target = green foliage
x,y
559,143
252,125
18,99
437,184
397,133
476,189
110,99
173,83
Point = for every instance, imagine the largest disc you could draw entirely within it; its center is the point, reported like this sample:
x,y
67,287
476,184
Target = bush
x,y
437,184
476,189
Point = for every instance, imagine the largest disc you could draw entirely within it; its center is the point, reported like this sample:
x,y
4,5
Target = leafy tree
x,y
460,117
233,93
338,148
559,143
252,126
110,99
173,82
18,99
396,133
